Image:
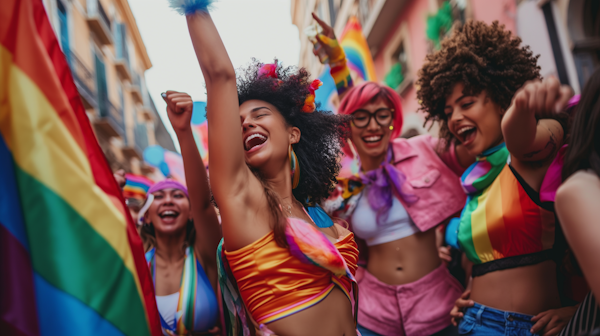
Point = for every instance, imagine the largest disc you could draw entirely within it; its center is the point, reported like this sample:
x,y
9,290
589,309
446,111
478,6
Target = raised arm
x,y
229,171
208,230
336,58
529,131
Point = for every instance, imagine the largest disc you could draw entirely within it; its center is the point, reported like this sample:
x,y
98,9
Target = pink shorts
x,y
417,308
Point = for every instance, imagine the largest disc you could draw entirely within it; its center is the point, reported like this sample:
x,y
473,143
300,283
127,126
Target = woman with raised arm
x,y
577,201
273,158
406,188
507,227
182,231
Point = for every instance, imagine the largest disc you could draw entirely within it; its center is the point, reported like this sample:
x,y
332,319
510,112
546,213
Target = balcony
x,y
122,67
99,22
136,89
85,81
110,119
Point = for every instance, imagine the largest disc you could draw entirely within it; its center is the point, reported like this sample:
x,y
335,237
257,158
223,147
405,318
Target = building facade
x,y
400,33
108,59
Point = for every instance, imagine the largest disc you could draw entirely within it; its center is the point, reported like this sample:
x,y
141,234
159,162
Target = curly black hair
x,y
322,132
482,57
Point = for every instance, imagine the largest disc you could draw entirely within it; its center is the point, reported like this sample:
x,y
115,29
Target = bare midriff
x,y
404,260
330,317
527,290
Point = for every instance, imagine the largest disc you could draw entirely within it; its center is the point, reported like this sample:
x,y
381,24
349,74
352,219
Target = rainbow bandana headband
x,y
475,180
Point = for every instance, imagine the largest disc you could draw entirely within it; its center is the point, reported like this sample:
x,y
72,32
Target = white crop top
x,y
167,307
397,226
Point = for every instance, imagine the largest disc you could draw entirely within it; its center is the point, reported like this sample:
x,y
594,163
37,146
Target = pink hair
x,y
367,92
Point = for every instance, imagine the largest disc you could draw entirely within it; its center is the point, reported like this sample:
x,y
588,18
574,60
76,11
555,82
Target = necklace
x,y
288,207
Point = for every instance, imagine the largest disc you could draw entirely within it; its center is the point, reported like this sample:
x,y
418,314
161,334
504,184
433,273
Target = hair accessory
x,y
168,184
295,167
309,102
189,7
268,70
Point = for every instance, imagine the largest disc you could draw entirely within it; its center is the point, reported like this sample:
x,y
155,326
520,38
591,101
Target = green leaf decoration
x,y
394,77
439,24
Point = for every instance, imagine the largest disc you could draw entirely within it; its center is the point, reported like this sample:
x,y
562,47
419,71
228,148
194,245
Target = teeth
x,y
255,135
464,129
169,213
373,138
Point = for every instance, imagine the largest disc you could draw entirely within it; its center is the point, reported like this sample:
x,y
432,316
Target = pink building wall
x,y
505,11
415,15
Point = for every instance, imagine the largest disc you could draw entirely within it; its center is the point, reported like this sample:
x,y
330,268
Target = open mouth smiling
x,y
168,216
254,141
466,134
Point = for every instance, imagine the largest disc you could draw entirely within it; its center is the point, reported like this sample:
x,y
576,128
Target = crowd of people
x,y
489,229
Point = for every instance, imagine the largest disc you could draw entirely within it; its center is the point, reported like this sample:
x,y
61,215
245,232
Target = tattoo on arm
x,y
550,144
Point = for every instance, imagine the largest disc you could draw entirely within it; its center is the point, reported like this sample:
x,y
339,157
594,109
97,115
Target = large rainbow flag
x,y
71,260
358,58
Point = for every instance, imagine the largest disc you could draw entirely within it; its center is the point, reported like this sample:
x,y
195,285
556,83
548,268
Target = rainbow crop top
x,y
506,225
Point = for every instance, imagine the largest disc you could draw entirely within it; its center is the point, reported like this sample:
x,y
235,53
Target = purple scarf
x,y
384,182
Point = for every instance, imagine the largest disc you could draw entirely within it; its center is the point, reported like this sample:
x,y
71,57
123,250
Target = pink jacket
x,y
434,178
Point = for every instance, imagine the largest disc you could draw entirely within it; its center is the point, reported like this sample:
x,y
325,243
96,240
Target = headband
x,y
162,185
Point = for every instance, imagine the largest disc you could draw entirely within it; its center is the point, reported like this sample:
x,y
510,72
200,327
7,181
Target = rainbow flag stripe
x,y
136,186
357,50
503,221
72,262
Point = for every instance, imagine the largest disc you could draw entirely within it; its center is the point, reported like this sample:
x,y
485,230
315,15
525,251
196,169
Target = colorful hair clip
x,y
268,70
309,102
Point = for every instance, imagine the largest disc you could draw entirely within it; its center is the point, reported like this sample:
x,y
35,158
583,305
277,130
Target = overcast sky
x,y
249,28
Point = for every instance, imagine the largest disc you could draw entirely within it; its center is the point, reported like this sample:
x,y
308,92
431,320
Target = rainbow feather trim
x,y
189,7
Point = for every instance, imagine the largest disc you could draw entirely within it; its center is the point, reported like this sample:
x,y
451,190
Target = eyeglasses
x,y
383,117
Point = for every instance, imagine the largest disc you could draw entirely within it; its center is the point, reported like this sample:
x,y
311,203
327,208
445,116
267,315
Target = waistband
x,y
484,314
424,283
514,262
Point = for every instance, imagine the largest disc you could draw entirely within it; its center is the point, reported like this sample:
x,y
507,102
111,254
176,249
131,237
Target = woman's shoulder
x,y
573,187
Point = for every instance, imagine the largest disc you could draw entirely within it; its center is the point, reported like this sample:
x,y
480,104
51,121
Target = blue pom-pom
x,y
188,7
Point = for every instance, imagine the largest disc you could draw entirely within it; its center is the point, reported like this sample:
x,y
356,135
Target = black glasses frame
x,y
374,114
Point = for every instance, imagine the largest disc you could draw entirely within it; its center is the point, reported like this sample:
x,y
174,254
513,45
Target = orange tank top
x,y
275,284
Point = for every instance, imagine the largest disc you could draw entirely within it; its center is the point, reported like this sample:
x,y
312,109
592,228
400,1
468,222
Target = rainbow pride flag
x,y
358,59
136,186
72,262
200,130
358,54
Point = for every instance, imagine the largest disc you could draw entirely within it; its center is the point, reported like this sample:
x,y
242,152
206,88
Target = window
x,y
399,67
103,104
63,24
440,23
121,42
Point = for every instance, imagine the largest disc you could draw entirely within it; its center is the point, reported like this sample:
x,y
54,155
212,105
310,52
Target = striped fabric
x,y
72,262
136,186
586,318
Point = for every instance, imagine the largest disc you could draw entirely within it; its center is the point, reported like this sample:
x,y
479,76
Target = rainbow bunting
x,y
72,262
136,186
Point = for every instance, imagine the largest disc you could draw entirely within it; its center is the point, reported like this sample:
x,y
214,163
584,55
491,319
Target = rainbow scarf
x,y
306,243
72,261
475,180
186,318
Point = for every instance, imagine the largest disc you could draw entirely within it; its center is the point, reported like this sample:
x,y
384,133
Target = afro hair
x,y
482,57
322,132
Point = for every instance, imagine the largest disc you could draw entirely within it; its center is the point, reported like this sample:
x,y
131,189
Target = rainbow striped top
x,y
505,220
